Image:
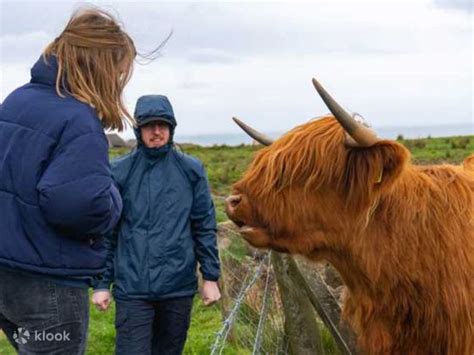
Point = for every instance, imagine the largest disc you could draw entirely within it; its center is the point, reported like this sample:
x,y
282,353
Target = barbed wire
x,y
263,313
221,336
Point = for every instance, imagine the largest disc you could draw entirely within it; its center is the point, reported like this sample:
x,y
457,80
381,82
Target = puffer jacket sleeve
x,y
203,223
76,191
105,280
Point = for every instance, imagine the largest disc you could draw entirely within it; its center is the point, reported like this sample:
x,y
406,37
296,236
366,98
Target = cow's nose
x,y
233,200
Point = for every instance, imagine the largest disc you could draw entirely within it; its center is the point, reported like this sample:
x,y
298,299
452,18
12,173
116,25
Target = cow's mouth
x,y
239,223
243,228
232,203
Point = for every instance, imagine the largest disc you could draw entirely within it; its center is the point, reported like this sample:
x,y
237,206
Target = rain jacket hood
x,y
151,108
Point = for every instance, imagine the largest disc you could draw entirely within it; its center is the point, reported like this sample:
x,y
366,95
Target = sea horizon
x,y
389,132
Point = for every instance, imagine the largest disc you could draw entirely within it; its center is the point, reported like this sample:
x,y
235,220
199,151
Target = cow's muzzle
x,y
231,203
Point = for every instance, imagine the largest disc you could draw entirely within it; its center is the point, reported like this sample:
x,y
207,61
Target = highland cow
x,y
400,235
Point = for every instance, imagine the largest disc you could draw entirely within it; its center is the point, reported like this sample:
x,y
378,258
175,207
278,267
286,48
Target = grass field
x,y
224,166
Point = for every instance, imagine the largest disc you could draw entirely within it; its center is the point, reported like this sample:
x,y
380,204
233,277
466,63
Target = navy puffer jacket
x,y
168,221
57,197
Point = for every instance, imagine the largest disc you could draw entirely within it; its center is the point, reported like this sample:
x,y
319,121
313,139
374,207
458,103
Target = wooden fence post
x,y
301,326
308,280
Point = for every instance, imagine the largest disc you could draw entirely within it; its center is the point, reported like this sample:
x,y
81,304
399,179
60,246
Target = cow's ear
x,y
372,170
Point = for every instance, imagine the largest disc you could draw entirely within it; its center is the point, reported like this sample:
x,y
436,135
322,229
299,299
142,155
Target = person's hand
x,y
210,293
102,299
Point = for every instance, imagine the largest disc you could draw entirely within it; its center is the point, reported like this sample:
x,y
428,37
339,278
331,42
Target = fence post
x,y
324,303
301,326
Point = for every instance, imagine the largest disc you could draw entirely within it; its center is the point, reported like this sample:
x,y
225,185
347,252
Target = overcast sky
x,y
396,62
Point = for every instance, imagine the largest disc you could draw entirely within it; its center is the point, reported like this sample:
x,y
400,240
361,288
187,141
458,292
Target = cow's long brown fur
x,y
401,235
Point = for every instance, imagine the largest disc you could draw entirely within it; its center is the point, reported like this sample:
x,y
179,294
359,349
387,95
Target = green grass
x,y
224,164
101,331
5,347
440,150
237,251
205,323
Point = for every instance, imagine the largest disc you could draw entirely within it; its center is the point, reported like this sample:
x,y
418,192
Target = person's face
x,y
155,134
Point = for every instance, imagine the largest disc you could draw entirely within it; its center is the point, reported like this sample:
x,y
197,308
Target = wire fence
x,y
251,320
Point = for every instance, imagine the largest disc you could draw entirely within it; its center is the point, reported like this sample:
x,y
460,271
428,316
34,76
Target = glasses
x,y
156,125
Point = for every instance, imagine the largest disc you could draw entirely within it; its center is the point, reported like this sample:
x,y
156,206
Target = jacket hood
x,y
154,107
150,106
45,72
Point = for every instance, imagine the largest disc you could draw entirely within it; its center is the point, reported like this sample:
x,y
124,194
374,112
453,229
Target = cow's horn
x,y
259,137
362,135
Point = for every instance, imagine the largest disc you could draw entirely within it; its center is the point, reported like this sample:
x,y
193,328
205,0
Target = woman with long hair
x,y
57,197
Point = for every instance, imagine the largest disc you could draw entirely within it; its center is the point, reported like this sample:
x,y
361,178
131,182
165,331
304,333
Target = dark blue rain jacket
x,y
168,220
57,197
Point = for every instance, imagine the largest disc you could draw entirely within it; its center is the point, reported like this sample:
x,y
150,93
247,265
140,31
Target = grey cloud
x,y
218,32
461,5
277,45
20,17
236,31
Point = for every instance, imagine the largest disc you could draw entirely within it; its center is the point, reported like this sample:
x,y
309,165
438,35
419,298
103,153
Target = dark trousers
x,y
40,317
152,327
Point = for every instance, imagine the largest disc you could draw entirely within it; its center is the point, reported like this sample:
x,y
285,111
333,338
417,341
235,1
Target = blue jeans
x,y
41,317
152,327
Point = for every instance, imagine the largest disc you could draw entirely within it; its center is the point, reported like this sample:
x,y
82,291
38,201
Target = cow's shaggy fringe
x,y
402,236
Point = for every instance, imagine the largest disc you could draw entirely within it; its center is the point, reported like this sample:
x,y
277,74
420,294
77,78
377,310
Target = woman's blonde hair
x,y
95,61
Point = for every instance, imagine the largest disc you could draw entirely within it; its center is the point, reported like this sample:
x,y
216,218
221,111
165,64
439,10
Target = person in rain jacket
x,y
57,195
167,226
